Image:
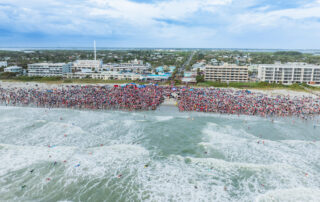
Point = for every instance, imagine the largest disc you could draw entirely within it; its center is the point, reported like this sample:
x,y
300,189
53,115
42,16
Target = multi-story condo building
x,y
127,67
108,75
49,69
226,73
117,76
289,73
94,65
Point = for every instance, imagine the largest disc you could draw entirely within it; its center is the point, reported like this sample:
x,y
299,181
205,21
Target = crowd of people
x,y
134,97
129,97
228,101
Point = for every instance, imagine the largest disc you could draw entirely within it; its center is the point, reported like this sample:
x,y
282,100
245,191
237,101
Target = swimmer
x,y
146,166
31,171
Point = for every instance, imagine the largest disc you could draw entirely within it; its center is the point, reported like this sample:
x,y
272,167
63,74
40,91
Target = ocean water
x,y
162,155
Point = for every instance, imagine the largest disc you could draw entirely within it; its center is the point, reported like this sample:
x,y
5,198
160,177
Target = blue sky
x,y
161,23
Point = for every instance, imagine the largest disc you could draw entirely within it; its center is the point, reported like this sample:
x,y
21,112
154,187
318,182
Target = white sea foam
x,y
99,160
291,195
238,145
115,156
14,157
163,118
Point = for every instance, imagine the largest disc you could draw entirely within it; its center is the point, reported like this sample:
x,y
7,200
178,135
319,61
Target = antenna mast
x,y
95,51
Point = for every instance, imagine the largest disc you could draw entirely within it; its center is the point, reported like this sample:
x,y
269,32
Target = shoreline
x,y
171,108
169,102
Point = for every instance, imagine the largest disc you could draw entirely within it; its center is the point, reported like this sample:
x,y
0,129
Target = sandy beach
x,y
283,92
28,85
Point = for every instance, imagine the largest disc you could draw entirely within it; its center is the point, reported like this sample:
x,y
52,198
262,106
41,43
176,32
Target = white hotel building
x,y
49,69
127,67
108,75
14,69
93,65
289,73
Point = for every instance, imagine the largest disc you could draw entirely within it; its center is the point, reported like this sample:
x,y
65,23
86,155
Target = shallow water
x,y
161,155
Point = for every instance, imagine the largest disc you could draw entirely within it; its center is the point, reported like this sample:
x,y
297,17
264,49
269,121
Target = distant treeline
x,y
155,58
288,53
248,58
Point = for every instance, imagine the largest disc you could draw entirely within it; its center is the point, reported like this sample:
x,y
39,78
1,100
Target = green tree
x,y
199,77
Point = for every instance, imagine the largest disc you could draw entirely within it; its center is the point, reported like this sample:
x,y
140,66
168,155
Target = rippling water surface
x,y
163,155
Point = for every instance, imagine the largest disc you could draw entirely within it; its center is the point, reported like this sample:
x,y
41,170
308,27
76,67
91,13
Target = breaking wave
x,y
162,155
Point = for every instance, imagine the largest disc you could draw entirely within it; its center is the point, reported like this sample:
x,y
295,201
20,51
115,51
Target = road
x,y
183,67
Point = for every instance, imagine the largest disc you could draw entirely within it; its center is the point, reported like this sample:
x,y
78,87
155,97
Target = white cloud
x,y
145,13
278,18
182,22
98,16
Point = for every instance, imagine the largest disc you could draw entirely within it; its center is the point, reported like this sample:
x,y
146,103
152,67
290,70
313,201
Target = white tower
x,y
95,51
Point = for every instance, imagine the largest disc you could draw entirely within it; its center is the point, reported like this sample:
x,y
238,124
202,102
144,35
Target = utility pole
x,y
95,51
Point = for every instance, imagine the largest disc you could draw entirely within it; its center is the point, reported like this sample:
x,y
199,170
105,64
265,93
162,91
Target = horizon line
x,y
89,47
